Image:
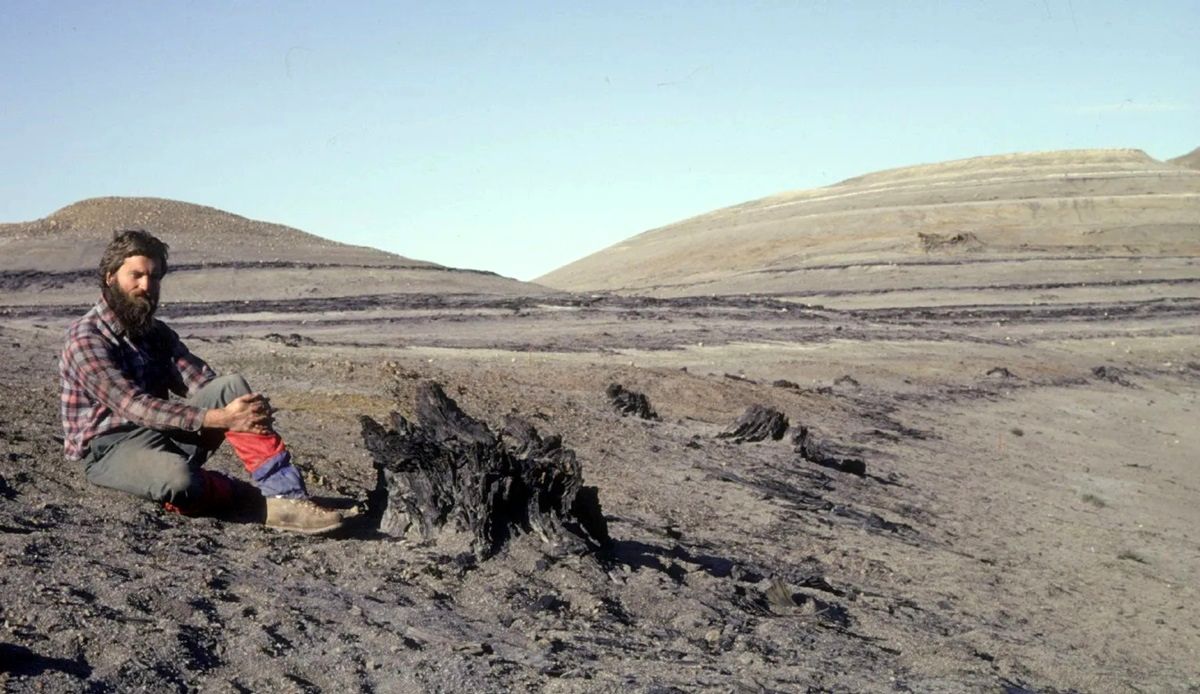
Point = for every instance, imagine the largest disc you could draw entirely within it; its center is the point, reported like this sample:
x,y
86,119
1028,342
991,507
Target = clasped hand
x,y
250,413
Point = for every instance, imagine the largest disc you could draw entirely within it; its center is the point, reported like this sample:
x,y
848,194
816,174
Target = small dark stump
x,y
757,423
847,382
1112,375
813,452
290,340
449,472
629,402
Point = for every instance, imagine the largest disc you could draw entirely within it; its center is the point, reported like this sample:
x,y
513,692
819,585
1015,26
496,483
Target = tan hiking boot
x,y
301,516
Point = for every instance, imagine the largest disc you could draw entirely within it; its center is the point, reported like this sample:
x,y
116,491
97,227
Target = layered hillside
x,y
215,256
1016,225
1190,160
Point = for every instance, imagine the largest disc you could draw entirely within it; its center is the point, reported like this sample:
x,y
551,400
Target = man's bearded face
x,y
132,293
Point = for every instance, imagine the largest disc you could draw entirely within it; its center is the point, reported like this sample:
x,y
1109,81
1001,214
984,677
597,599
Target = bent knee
x,y
233,384
226,389
178,484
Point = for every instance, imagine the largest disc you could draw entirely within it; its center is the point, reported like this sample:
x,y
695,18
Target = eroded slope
x,y
1006,222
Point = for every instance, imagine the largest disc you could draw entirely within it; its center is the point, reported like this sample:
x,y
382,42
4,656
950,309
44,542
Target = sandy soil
x,y
1027,522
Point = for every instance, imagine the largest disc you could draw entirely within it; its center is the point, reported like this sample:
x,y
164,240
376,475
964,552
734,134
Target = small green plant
x,y
1094,500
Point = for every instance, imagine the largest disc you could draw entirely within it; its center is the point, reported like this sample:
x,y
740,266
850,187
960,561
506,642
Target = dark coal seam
x,y
587,344
842,292
478,301
768,303
1014,287
963,261
1155,307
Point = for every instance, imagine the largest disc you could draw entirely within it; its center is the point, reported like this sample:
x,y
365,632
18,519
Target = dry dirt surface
x,y
1026,521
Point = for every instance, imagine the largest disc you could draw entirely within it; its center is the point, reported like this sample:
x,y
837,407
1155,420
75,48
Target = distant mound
x,y
196,234
1190,160
215,256
1013,217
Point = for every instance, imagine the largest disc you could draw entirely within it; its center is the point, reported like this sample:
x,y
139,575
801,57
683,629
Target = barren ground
x,y
1031,529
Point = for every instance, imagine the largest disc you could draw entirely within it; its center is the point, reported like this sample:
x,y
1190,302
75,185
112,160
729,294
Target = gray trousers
x,y
162,466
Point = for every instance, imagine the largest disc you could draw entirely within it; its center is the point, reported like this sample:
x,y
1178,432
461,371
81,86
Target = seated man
x,y
119,367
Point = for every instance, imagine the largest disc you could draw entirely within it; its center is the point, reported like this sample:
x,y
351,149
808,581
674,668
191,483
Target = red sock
x,y
216,494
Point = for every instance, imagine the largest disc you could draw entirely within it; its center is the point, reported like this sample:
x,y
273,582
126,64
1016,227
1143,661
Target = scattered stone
x,y
809,449
847,382
960,241
549,603
738,377
853,466
290,340
779,596
1112,375
1000,372
628,402
450,473
871,521
830,613
757,423
816,581
1008,686
744,573
781,600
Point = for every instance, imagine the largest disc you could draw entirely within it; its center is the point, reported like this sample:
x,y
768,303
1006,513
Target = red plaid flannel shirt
x,y
110,382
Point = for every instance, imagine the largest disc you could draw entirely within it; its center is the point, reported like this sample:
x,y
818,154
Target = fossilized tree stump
x,y
757,423
629,402
809,449
449,472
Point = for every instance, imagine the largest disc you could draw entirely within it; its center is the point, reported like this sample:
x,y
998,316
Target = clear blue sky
x,y
517,138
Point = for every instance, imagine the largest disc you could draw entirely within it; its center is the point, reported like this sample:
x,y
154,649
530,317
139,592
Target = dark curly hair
x,y
127,243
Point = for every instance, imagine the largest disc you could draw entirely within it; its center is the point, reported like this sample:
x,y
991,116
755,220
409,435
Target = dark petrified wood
x,y
756,424
450,472
812,451
629,402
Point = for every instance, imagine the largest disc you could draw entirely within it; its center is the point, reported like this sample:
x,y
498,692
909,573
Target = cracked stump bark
x,y
757,423
450,472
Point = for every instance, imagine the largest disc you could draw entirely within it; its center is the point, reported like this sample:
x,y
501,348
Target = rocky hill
x,y
1190,160
1010,224
215,256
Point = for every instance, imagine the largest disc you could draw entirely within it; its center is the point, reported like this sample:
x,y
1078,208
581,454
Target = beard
x,y
136,313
